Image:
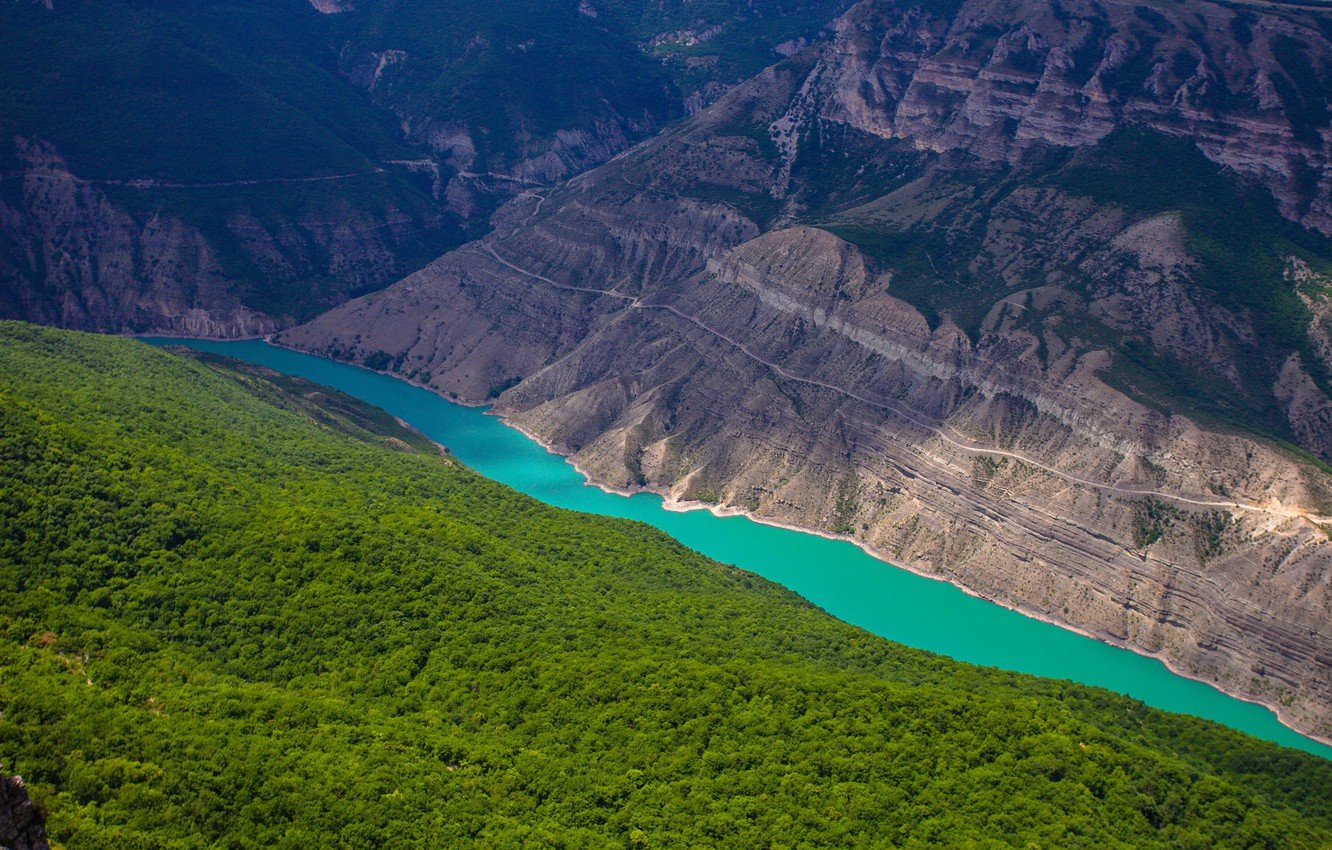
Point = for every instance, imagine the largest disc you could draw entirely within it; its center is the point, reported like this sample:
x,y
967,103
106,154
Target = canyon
x,y
1037,308
666,422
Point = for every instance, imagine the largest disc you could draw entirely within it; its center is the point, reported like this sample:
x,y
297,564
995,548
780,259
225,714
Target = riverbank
x,y
722,510
850,583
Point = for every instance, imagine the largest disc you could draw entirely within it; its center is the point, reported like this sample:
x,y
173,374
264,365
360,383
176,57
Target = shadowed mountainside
x,y
229,168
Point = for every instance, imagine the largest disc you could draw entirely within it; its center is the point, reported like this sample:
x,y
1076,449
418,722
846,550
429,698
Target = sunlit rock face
x,y
994,78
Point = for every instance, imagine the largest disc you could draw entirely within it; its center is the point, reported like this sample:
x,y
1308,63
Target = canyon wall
x,y
155,258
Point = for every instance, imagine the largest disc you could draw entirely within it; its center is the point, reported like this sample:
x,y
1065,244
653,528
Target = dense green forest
x,y
238,610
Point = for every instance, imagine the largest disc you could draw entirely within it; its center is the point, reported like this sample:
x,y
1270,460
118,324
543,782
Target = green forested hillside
x,y
237,610
511,76
182,92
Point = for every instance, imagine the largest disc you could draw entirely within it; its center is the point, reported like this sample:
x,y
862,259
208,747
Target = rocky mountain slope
x,y
194,167
228,168
202,260
1039,307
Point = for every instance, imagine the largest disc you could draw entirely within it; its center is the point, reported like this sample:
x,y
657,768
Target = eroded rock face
x,y
22,826
664,321
995,78
73,254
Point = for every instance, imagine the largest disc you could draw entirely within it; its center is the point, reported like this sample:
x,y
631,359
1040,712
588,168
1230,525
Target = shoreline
x,y
673,504
670,503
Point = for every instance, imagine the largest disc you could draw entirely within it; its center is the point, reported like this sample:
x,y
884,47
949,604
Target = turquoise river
x,y
832,574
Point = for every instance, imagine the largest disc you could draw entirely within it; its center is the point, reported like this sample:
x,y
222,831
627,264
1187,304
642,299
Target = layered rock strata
x,y
1247,85
22,825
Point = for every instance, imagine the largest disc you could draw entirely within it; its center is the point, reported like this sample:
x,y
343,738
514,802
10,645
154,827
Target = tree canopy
x,y
240,610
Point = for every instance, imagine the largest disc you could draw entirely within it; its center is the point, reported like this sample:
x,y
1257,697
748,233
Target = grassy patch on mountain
x,y
1231,226
927,271
931,261
724,40
1168,385
241,610
756,205
838,166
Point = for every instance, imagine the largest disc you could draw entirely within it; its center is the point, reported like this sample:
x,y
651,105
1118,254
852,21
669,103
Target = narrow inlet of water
x,y
835,575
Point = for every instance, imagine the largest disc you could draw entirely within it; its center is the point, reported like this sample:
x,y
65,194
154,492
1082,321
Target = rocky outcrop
x,y
664,322
997,78
22,825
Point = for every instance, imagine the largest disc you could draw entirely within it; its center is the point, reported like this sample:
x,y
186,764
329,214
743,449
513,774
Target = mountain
x,y
230,167
244,610
1033,297
505,96
511,96
196,167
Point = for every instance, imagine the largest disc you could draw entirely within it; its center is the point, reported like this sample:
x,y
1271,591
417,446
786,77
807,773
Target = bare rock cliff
x,y
1248,88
